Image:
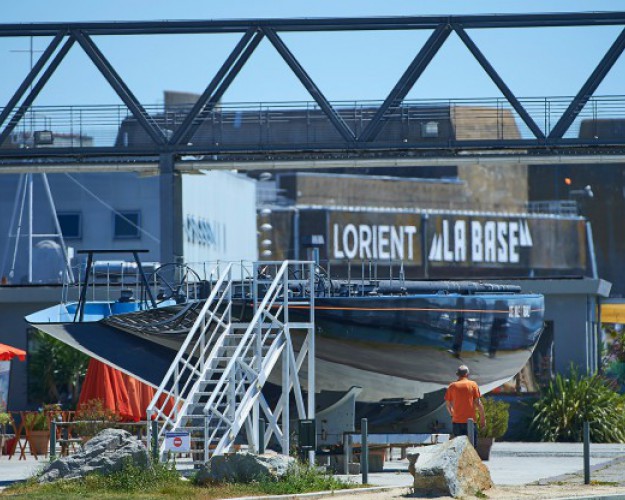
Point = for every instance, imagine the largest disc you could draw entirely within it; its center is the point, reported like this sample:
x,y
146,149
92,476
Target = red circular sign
x,y
177,442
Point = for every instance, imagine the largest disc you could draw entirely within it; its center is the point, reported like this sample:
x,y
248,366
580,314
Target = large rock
x,y
244,468
105,453
452,468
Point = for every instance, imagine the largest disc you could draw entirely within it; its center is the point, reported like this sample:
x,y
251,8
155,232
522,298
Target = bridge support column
x,y
170,187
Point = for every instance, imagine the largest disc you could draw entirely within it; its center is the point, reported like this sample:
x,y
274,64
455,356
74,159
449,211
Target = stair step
x,y
240,335
223,354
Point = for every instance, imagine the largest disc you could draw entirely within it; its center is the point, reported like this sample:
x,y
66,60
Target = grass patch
x,y
162,481
159,481
302,479
604,483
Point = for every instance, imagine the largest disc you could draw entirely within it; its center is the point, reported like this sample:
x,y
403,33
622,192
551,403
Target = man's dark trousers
x,y
463,430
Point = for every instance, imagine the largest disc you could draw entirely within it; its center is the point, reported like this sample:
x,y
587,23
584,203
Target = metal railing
x,y
555,207
195,356
304,123
213,387
121,281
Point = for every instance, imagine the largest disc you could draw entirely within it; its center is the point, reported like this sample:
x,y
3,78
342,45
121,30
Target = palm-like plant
x,y
569,401
497,414
55,370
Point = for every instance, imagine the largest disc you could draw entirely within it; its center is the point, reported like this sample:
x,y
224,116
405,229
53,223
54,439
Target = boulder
x,y
105,453
244,468
452,468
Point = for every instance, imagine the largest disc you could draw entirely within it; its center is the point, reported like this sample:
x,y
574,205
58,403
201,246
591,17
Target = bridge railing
x,y
241,126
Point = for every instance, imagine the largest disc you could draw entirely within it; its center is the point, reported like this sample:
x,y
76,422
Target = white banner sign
x,y
179,442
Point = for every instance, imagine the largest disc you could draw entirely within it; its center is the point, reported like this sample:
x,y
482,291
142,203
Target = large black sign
x,y
491,241
445,243
365,236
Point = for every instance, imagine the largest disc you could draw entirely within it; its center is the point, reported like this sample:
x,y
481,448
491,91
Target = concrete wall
x,y
96,197
227,199
490,187
604,210
478,187
222,205
15,303
377,191
572,305
570,319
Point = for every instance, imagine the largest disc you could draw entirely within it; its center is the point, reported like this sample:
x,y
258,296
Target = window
x,y
126,225
71,224
429,129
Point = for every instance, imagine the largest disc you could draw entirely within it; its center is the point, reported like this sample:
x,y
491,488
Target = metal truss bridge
x,y
394,131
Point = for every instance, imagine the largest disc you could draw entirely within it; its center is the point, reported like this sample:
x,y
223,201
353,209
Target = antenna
x,y
24,200
24,203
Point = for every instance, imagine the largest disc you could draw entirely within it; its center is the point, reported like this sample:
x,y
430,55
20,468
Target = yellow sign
x,y
613,313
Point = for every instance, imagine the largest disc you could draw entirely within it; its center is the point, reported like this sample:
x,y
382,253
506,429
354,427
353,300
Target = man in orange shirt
x,y
462,398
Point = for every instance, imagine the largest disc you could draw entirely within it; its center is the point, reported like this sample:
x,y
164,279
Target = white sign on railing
x,y
179,442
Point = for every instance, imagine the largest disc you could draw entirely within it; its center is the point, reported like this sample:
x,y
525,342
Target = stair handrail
x,y
182,351
251,326
244,406
212,344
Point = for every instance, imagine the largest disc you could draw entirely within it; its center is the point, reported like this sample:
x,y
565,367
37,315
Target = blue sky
x,y
346,66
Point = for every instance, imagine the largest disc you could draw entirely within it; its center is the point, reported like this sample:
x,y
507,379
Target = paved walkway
x,y
510,464
609,473
18,470
517,463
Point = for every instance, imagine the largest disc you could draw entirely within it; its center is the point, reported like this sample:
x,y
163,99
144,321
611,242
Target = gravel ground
x,y
549,491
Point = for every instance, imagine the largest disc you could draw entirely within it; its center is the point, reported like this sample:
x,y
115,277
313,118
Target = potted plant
x,y
39,425
92,417
497,415
5,419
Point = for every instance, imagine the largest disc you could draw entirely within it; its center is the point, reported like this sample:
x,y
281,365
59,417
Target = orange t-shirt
x,y
462,395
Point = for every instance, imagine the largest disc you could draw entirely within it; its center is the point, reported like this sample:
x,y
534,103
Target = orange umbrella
x,y
125,395
7,353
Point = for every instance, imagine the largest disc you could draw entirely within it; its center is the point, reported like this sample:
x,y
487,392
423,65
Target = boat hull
x,y
405,347
393,347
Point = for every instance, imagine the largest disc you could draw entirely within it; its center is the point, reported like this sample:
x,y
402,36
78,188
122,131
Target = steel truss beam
x,y
314,91
320,24
218,86
120,87
497,80
253,31
38,86
588,89
407,80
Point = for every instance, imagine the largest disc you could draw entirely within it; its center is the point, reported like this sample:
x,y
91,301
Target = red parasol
x,y
124,394
7,353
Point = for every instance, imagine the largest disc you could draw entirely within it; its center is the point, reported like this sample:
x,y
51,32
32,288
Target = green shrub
x,y
37,421
568,402
497,415
4,418
134,478
162,481
92,417
302,479
616,371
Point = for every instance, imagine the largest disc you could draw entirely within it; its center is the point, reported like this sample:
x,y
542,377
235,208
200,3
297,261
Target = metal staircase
x,y
213,388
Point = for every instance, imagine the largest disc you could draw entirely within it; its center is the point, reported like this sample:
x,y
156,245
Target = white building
x,y
215,219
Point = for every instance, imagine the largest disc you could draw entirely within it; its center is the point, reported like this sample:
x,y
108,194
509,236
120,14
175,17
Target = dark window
x,y
127,225
71,224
